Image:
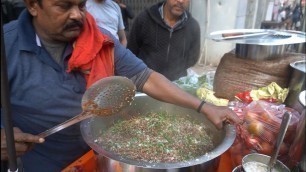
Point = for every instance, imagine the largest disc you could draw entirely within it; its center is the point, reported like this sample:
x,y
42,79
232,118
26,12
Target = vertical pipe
x,y
5,102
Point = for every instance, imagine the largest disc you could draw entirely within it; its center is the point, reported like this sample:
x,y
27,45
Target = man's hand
x,y
23,142
219,114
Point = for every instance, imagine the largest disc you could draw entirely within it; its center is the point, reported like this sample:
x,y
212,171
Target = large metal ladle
x,y
280,137
105,97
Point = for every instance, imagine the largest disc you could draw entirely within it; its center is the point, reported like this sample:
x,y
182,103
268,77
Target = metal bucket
x,y
296,84
91,130
259,52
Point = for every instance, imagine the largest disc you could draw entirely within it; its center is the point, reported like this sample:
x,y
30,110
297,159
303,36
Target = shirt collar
x,y
38,43
26,34
182,19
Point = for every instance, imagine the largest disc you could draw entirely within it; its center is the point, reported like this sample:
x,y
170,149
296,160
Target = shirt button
x,y
77,89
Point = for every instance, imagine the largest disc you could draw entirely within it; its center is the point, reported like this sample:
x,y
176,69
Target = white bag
x,y
298,24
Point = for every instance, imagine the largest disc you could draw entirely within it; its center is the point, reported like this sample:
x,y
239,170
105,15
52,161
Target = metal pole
x,y
6,107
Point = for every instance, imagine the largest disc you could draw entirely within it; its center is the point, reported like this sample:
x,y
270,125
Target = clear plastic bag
x,y
260,129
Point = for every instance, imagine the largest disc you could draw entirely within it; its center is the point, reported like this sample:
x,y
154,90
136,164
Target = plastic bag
x,y
191,83
272,93
259,132
297,148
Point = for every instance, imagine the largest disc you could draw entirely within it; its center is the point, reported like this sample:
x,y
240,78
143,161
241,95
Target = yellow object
x,y
271,91
208,96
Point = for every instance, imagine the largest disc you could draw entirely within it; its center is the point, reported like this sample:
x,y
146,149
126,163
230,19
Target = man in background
x,y
108,15
127,13
167,38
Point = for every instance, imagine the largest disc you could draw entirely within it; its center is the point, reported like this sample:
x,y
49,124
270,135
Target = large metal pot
x,y
259,52
91,129
296,84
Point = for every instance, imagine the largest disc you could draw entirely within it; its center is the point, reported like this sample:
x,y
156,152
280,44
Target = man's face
x,y
58,20
177,7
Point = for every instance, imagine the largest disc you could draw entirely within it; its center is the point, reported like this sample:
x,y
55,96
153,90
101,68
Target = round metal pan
x,y
92,128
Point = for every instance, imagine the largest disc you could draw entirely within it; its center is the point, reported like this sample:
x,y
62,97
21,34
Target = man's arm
x,y
121,32
158,87
122,37
23,142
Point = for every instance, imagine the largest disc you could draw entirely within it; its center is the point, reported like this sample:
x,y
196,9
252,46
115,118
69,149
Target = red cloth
x,y
93,53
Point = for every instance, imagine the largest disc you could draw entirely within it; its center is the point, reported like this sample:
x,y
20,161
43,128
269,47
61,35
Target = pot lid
x,y
259,36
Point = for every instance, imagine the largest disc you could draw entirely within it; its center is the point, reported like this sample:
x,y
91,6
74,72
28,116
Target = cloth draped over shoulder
x,y
93,53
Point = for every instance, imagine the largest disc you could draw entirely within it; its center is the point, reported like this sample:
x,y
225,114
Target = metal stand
x,y
6,109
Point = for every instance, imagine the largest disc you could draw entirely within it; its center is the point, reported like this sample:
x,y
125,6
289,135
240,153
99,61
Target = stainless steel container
x,y
264,159
91,130
238,169
263,45
296,84
259,52
297,149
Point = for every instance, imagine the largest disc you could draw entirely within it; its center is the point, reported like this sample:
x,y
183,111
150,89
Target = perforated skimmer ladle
x,y
105,97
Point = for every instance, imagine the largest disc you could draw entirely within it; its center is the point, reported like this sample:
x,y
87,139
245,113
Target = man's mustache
x,y
74,24
180,6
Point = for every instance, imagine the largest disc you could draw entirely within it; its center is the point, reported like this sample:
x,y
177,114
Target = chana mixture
x,y
157,137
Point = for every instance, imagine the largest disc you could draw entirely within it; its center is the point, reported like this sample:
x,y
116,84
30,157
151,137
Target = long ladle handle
x,y
244,35
59,127
280,137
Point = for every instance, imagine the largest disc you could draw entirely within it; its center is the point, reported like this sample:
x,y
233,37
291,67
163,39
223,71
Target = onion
x,y
256,128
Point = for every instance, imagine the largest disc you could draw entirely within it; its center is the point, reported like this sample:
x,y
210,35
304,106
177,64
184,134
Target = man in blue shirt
x,y
43,94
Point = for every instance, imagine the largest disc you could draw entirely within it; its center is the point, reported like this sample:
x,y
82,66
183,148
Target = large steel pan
x,y
92,128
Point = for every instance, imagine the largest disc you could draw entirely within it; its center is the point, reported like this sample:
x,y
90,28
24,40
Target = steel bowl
x,y
263,159
238,169
91,130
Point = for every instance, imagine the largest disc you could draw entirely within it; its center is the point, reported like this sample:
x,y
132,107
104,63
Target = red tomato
x,y
250,116
265,148
283,149
265,117
268,136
